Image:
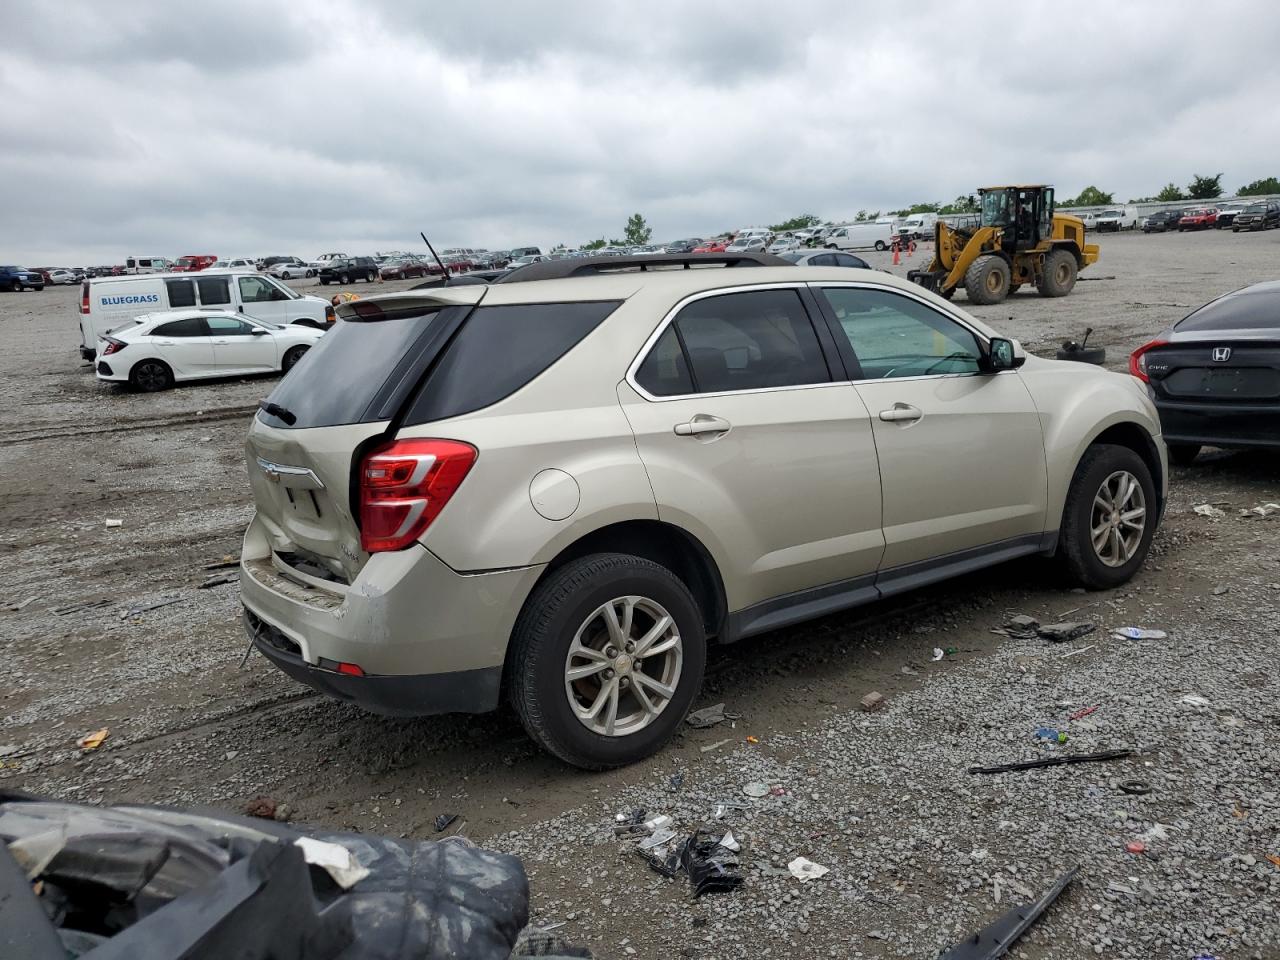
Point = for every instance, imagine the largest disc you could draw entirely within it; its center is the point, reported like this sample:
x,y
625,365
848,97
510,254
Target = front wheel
x,y
880,245
606,659
285,275
1058,274
17,286
1109,517
291,357
310,274
370,277
987,280
344,279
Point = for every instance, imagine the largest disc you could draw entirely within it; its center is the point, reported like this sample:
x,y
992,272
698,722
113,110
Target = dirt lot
x,y
920,852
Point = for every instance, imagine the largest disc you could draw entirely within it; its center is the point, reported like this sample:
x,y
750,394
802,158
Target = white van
x,y
918,226
109,302
860,236
137,265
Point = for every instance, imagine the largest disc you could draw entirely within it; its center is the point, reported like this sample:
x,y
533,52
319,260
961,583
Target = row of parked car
x,y
1261,215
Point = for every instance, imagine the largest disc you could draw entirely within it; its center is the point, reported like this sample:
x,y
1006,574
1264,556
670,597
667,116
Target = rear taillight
x,y
84,297
1138,359
113,346
404,486
330,315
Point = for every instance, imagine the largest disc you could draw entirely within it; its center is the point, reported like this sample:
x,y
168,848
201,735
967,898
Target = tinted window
x,y
1253,308
228,327
190,327
664,372
499,350
896,336
750,341
182,293
848,260
214,291
821,260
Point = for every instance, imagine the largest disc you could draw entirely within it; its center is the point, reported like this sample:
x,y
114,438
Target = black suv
x,y
1257,216
349,271
1162,221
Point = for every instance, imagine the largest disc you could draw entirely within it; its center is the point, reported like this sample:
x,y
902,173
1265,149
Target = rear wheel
x,y
1059,274
1109,517
1184,454
370,277
605,660
291,357
987,280
880,245
150,376
344,278
285,275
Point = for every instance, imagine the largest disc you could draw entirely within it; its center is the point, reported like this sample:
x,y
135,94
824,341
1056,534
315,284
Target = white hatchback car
x,y
154,351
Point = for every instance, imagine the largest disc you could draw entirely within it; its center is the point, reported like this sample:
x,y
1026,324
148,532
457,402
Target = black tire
x,y
1082,563
880,245
285,275
1094,355
1184,454
987,280
292,356
1235,229
324,281
344,278
370,277
309,274
17,286
540,642
150,376
1014,288
1059,274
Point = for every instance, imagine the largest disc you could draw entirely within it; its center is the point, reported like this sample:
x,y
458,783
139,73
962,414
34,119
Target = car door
x,y
240,346
755,443
186,346
961,452
262,299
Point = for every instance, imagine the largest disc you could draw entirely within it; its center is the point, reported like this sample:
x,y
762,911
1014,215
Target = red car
x,y
712,246
1201,219
405,269
194,262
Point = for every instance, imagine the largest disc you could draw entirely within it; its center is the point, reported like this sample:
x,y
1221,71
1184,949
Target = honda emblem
x,y
1221,354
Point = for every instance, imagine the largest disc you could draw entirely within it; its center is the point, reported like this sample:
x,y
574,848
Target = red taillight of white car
x,y
404,486
84,296
113,346
1138,359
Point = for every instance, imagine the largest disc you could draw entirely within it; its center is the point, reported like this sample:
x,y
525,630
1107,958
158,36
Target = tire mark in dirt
x,y
179,419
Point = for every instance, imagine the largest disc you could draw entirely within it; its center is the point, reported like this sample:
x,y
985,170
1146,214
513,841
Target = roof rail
x,y
596,266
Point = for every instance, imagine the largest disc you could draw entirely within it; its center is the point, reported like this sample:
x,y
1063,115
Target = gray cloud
x,y
251,128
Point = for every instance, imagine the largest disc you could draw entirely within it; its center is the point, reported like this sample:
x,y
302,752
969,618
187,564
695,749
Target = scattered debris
x,y
444,821
113,523
658,838
1072,653
872,701
805,870
1136,847
676,781
1019,627
729,842
777,791
1197,701
1050,733
1209,510
1137,788
15,607
707,716
1158,831
1082,712
1265,509
263,807
938,654
87,605
994,941
1064,632
709,865
225,563
92,741
1221,590
1054,761
952,651
135,611
1138,633
219,581
1274,859
714,746
334,859
756,789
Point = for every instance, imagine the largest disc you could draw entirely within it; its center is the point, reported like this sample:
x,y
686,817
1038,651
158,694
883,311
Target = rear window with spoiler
x,y
437,361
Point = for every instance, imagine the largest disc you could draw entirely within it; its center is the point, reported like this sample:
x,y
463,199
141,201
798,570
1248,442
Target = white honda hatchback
x,y
154,351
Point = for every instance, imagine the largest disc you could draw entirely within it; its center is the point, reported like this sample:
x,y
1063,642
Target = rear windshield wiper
x,y
277,411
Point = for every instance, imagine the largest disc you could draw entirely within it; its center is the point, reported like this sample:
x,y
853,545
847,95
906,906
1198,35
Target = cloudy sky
x,y
248,128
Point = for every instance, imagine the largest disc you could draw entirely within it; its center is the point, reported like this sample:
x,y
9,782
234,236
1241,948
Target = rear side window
x,y
665,373
214,291
356,365
755,340
1246,310
190,327
182,293
499,350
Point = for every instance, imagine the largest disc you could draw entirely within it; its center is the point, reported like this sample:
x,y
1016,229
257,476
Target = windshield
x,y
287,291
1110,213
186,261
1256,208
997,208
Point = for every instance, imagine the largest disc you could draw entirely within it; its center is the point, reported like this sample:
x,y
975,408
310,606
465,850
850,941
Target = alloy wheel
x,y
623,666
151,376
1118,519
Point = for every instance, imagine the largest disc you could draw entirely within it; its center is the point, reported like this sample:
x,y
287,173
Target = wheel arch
x,y
1072,248
1132,435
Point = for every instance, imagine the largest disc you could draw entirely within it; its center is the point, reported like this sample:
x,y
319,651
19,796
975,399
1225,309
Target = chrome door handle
x,y
901,412
702,423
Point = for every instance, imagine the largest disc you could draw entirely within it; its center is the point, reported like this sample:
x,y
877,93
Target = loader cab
x,y
1023,215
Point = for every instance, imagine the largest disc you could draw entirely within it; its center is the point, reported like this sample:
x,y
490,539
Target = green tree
x,y
967,204
1260,188
863,215
637,232
594,244
1204,188
1090,196
796,223
1171,191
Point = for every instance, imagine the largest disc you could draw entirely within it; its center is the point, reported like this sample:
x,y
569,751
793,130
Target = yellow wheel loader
x,y
1018,239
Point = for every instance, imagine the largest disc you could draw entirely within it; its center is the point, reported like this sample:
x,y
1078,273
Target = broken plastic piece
x,y
334,859
995,940
443,821
92,741
1139,633
1081,713
662,835
1209,510
805,870
729,843
1064,632
113,523
707,716
751,739
872,701
1195,700
1136,846
756,789
938,654
1053,761
709,865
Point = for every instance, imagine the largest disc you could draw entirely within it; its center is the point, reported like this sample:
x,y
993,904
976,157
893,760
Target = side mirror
x,y
1001,355
258,332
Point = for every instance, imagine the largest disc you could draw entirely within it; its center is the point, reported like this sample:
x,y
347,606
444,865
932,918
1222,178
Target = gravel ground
x,y
920,852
